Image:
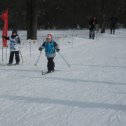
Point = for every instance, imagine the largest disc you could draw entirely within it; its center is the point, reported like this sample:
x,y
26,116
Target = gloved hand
x,y
40,48
57,50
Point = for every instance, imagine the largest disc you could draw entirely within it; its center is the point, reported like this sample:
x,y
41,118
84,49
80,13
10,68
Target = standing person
x,y
92,23
50,47
14,42
113,25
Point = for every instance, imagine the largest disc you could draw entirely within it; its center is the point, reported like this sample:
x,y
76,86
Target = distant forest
x,y
62,14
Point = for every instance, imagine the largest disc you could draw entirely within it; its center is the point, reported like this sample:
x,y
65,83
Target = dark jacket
x,y
92,23
113,20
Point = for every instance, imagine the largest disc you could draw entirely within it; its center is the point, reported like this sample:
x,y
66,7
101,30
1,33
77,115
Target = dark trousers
x,y
92,34
17,58
50,64
112,29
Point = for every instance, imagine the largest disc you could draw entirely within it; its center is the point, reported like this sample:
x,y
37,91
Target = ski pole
x,y
2,54
6,53
64,59
38,58
30,48
21,56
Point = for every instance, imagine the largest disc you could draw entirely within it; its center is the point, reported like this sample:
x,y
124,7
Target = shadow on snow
x,y
80,104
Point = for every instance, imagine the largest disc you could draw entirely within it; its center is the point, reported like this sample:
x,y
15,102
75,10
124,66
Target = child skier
x,y
50,47
14,47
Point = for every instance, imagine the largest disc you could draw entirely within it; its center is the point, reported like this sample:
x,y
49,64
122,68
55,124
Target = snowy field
x,y
92,92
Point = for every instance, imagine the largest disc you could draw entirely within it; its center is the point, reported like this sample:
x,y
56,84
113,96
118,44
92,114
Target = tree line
x,y
61,14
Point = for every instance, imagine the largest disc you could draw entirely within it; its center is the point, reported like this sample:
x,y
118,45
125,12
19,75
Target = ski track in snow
x,y
92,92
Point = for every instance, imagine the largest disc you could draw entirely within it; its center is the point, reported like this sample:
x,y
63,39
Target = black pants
x,y
112,29
50,64
17,58
92,34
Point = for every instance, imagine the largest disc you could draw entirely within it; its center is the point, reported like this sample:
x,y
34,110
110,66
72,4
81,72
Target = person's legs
x,y
93,34
113,29
11,57
90,32
17,58
50,64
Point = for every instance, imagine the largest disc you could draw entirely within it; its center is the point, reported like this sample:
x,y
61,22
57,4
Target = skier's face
x,y
48,38
14,34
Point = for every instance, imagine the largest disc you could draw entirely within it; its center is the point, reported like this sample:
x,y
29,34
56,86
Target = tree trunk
x,y
32,19
103,23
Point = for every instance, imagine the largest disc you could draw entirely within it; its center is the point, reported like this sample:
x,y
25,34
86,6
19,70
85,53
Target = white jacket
x,y
14,43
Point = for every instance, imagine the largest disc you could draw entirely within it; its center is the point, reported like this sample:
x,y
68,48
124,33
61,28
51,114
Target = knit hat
x,y
14,31
49,36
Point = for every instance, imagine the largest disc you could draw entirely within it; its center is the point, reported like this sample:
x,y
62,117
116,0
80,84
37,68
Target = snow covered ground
x,y
92,92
